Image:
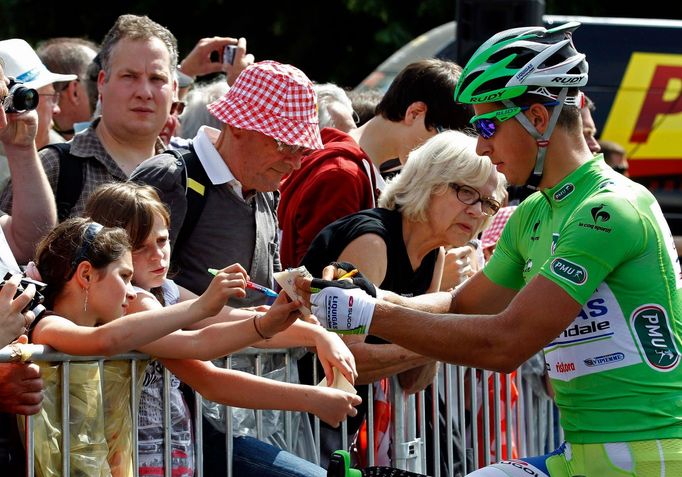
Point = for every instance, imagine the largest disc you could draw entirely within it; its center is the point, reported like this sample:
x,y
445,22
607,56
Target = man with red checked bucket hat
x,y
222,195
269,121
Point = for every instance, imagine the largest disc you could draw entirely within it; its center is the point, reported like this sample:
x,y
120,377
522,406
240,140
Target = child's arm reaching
x,y
235,388
331,350
137,329
221,339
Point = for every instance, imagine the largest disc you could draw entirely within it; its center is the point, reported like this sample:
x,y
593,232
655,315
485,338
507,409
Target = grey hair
x,y
136,27
445,158
328,94
67,55
195,114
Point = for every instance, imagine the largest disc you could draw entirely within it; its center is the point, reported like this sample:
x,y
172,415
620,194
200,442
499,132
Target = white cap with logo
x,y
22,63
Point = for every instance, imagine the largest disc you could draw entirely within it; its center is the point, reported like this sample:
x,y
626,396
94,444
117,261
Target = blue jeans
x,y
252,457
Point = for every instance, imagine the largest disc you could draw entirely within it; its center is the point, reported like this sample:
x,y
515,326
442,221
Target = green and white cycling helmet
x,y
526,60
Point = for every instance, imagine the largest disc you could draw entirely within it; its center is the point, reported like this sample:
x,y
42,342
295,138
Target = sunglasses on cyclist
x,y
485,124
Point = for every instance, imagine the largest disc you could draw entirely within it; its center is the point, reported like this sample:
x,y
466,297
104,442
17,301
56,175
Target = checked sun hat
x,y
19,61
275,99
492,234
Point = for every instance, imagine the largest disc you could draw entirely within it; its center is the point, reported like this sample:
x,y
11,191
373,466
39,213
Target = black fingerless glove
x,y
357,281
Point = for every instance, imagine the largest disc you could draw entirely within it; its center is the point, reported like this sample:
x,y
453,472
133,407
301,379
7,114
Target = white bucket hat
x,y
22,63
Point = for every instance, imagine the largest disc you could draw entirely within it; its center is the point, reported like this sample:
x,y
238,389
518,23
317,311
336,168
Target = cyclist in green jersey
x,y
585,269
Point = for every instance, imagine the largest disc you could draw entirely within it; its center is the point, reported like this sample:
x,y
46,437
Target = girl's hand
x,y
227,283
333,353
280,316
333,405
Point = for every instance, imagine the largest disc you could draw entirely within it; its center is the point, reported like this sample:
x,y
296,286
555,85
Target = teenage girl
x,y
138,209
88,269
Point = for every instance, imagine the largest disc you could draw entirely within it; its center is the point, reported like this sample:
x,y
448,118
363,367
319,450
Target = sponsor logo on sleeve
x,y
599,217
655,338
568,271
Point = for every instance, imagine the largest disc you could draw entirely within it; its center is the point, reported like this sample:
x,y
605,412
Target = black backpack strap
x,y
70,181
195,182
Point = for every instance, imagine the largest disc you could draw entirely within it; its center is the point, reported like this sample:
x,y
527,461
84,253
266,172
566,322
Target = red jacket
x,y
330,184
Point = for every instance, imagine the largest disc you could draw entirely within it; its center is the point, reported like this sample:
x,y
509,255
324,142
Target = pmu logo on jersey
x,y
652,330
569,271
564,192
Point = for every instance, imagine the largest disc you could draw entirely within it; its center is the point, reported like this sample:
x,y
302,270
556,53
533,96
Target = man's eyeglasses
x,y
290,150
470,196
52,97
485,123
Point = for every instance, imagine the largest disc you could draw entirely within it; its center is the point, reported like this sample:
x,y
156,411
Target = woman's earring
x,y
85,303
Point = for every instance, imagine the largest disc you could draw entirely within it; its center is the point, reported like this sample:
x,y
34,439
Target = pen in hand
x,y
350,274
249,284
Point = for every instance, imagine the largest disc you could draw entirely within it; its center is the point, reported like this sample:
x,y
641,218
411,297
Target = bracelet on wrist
x,y
255,326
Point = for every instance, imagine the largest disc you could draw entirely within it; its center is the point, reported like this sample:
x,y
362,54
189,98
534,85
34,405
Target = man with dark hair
x,y
136,84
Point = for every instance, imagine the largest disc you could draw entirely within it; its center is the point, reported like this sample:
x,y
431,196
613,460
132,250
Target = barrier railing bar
x,y
508,414
66,417
135,416
167,443
497,416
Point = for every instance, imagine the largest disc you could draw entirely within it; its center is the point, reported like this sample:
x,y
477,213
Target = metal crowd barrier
x,y
530,426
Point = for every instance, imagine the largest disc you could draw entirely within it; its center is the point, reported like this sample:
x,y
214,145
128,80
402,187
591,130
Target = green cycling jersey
x,y
603,239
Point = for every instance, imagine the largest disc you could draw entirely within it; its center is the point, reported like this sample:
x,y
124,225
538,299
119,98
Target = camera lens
x,y
20,98
25,98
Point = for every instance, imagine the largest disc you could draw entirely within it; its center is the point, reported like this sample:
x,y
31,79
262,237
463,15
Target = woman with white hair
x,y
444,196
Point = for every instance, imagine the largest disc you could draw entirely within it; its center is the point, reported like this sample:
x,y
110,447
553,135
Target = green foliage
x,y
331,40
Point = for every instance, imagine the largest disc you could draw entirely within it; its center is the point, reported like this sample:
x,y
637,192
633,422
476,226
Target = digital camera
x,y
36,303
20,98
228,54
